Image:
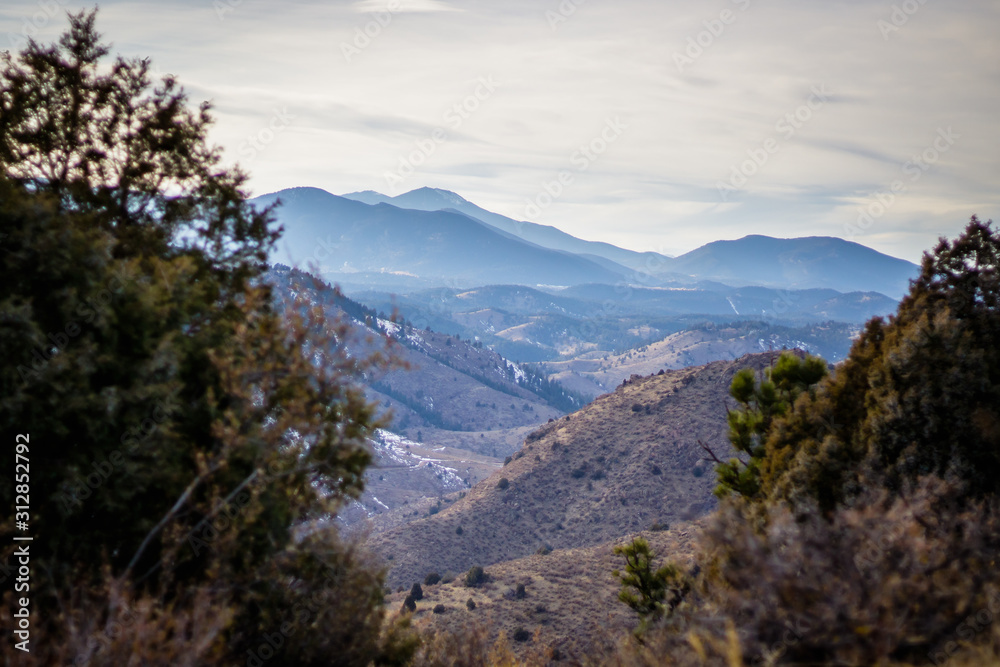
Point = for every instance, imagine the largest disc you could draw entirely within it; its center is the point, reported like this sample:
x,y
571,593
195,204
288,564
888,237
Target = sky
x,y
651,125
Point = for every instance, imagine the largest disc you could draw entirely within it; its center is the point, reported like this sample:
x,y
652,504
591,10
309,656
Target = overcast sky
x,y
651,125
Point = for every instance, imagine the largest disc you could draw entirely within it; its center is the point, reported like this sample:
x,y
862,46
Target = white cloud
x,y
399,6
656,186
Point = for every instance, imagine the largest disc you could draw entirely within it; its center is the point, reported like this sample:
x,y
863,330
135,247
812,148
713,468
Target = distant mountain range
x,y
532,325
350,238
430,237
814,261
433,199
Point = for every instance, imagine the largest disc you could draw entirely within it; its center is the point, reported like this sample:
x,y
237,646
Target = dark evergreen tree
x,y
185,434
761,401
650,592
917,395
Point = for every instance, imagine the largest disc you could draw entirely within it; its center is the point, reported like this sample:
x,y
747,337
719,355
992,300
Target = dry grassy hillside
x,y
626,462
570,599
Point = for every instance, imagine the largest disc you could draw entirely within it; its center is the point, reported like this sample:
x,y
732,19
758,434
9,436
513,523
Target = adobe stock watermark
x,y
454,117
875,548
101,641
782,304
562,13
794,634
323,250
714,28
971,626
914,169
30,25
223,7
223,518
307,607
365,35
101,470
86,311
224,515
582,159
786,127
899,17
280,121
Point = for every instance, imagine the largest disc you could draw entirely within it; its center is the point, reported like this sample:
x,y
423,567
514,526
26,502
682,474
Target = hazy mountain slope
x,y
369,197
459,387
345,237
750,302
798,263
536,325
433,199
405,473
811,262
448,382
595,373
625,462
516,299
594,300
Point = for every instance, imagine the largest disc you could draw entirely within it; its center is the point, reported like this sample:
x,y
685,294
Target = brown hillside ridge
x,y
627,462
570,601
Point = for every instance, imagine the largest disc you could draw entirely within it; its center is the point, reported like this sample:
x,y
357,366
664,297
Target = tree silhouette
x,y
186,431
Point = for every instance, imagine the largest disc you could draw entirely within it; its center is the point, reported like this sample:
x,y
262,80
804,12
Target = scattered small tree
x,y
649,592
475,577
417,593
432,578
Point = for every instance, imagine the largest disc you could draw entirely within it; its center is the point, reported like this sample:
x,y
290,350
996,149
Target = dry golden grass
x,y
570,604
